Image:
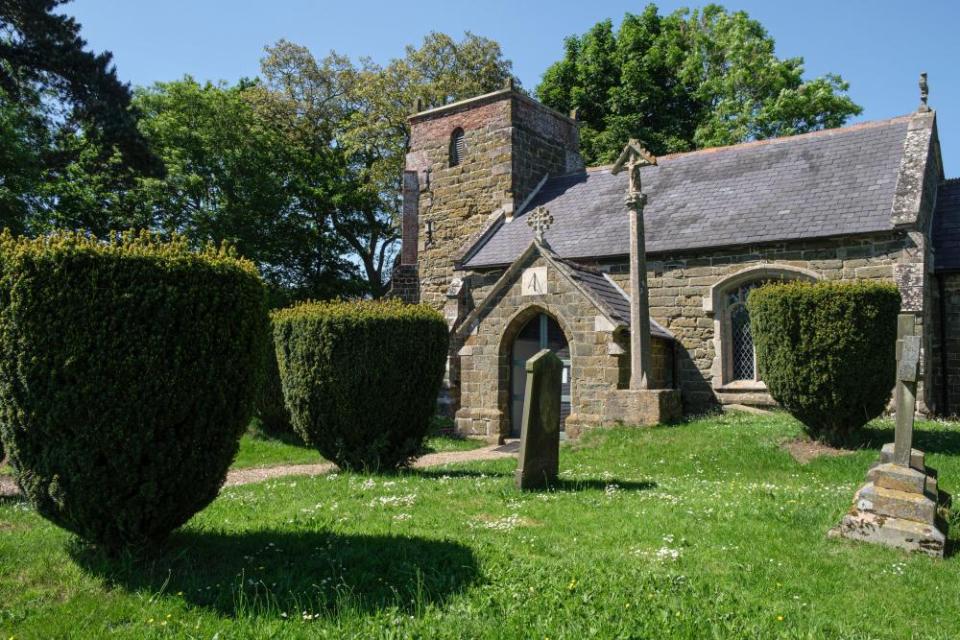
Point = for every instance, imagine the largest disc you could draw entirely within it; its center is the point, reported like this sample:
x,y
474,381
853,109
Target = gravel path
x,y
8,487
246,476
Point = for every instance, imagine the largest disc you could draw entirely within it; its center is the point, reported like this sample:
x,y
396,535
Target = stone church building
x,y
522,248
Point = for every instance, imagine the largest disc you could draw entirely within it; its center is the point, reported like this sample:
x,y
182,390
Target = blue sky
x,y
880,47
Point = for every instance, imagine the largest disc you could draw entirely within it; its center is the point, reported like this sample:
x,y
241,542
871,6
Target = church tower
x,y
468,163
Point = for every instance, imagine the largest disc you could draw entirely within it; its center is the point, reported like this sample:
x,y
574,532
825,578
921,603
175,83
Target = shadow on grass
x,y
561,484
945,441
272,572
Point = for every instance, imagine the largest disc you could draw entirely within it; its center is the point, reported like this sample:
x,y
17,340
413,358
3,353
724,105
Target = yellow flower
x,y
779,618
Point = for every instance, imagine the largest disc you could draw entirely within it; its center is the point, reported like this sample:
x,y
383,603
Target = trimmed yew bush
x,y
270,406
826,351
128,372
361,378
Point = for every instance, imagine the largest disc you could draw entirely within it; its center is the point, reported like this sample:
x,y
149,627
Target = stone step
x,y
930,480
916,457
893,476
748,398
892,532
896,504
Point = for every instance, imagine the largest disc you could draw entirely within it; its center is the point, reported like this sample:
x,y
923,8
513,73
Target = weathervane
x,y
924,93
539,220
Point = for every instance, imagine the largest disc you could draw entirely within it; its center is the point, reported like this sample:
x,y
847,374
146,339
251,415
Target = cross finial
x,y
924,93
539,220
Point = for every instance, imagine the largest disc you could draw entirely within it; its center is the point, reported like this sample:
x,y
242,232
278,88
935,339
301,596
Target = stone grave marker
x,y
900,504
539,458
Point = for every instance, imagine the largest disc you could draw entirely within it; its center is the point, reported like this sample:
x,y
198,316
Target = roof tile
x,y
816,185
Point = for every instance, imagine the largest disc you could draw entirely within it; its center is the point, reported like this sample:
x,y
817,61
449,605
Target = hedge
x,y
128,371
361,378
271,409
826,351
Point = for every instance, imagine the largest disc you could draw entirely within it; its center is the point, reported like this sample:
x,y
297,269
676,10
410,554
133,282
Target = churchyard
x,y
706,529
416,352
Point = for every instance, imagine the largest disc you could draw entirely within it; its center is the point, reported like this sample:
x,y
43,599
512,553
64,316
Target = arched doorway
x,y
540,332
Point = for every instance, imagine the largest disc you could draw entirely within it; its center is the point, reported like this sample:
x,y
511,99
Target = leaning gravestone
x,y
900,504
540,433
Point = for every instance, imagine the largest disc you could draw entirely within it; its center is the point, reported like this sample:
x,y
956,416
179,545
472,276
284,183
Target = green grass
x,y
705,530
260,449
440,444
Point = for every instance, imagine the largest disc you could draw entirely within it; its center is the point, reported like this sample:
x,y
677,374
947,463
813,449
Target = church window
x,y
735,356
742,355
457,147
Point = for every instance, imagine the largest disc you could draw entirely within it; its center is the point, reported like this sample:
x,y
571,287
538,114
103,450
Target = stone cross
x,y
905,393
540,433
540,219
633,158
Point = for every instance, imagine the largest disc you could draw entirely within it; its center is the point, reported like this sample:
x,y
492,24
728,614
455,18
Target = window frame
x,y
717,304
457,148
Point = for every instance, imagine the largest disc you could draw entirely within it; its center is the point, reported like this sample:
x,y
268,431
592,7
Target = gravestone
x,y
900,504
540,432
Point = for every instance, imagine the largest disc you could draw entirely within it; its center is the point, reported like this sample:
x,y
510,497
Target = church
x,y
636,274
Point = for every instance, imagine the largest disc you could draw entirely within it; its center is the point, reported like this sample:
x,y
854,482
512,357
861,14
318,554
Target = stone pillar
x,y
640,341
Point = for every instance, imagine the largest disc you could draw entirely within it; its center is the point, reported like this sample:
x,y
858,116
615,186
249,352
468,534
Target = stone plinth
x,y
641,407
480,423
898,507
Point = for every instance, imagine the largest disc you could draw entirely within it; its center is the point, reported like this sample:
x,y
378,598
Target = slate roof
x,y
827,183
613,299
946,227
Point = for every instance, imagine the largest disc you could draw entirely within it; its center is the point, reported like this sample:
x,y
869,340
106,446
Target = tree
x,y
692,79
42,53
362,110
23,139
71,150
237,170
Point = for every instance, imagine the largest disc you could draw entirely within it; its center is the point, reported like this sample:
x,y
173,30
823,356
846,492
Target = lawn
x,y
704,530
261,449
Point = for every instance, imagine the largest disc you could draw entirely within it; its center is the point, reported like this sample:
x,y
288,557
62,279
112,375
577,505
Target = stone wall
x,y
679,285
511,143
456,201
405,283
484,354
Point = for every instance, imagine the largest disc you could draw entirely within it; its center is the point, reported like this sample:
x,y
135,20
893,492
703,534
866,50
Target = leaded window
x,y
742,343
742,358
